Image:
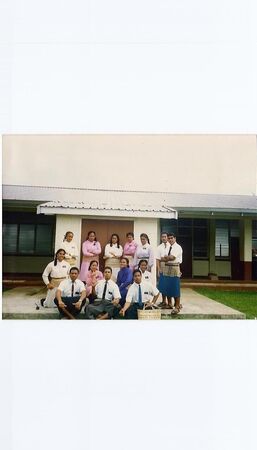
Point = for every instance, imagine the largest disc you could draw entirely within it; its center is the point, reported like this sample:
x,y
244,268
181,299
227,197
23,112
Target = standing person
x,y
92,277
146,275
55,272
112,253
124,279
144,251
91,250
70,295
139,294
130,248
71,249
169,271
163,250
107,296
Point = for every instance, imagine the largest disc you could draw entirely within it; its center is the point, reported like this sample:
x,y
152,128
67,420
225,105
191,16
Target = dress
x,y
169,282
129,252
113,261
71,252
124,279
144,252
91,278
89,248
55,274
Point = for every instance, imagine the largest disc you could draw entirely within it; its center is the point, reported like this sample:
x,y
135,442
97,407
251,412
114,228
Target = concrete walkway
x,y
20,303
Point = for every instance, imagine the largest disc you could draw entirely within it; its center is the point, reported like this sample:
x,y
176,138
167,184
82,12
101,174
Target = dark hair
x,y
164,232
90,233
91,262
130,234
142,260
74,268
126,259
56,254
145,236
136,271
108,267
171,234
66,234
118,239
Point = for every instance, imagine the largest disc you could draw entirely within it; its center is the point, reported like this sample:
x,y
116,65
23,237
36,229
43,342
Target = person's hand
x,y
78,304
50,286
113,254
122,312
61,304
115,302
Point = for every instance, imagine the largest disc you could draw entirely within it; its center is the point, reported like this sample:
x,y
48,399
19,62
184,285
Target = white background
x,y
138,66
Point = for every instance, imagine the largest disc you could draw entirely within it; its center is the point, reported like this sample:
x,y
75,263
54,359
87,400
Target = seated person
x,y
146,275
106,298
140,294
124,279
70,295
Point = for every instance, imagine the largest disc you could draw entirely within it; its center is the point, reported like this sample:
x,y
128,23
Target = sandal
x,y
175,311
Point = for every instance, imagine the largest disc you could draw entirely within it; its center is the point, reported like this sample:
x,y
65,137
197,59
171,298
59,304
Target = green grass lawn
x,y
243,301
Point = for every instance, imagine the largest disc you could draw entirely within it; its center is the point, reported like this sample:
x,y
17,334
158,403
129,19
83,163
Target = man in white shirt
x,y
169,258
107,296
71,295
140,293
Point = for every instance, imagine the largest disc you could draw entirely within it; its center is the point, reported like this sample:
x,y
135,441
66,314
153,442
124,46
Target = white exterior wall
x,y
221,164
73,223
64,224
151,228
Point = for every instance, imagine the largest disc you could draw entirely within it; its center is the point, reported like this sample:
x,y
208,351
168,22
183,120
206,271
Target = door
x,y
104,229
236,265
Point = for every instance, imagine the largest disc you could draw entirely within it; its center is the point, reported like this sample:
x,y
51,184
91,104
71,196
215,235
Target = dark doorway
x,y
236,265
104,229
186,266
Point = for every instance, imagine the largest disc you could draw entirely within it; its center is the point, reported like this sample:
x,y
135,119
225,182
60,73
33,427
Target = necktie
x,y
140,296
72,288
104,292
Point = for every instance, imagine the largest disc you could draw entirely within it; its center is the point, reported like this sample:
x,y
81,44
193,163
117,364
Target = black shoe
x,y
42,302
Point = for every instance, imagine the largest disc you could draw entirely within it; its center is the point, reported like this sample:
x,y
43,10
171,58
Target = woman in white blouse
x,y
55,272
112,253
71,249
144,251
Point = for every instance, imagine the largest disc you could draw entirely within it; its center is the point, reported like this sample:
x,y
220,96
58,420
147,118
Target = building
x,y
203,187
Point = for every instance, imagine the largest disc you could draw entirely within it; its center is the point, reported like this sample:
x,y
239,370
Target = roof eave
x,y
41,209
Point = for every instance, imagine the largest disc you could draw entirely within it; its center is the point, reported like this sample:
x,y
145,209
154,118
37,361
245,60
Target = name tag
x,y
110,293
64,267
146,293
77,292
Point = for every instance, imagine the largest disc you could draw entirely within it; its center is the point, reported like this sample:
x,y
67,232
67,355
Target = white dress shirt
x,y
112,291
147,289
146,276
163,250
66,288
114,249
61,270
70,249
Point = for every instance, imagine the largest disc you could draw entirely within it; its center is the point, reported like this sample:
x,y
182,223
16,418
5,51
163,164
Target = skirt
x,y
114,263
51,293
169,286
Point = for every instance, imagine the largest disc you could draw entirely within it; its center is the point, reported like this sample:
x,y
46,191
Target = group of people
x,y
126,284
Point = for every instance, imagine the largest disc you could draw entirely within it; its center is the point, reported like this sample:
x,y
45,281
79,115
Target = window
x,y
200,238
222,239
28,235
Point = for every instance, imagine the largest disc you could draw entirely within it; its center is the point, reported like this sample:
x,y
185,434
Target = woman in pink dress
x,y
91,250
92,277
130,248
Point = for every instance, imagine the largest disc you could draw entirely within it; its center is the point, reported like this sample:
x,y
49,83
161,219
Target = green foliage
x,y
243,301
